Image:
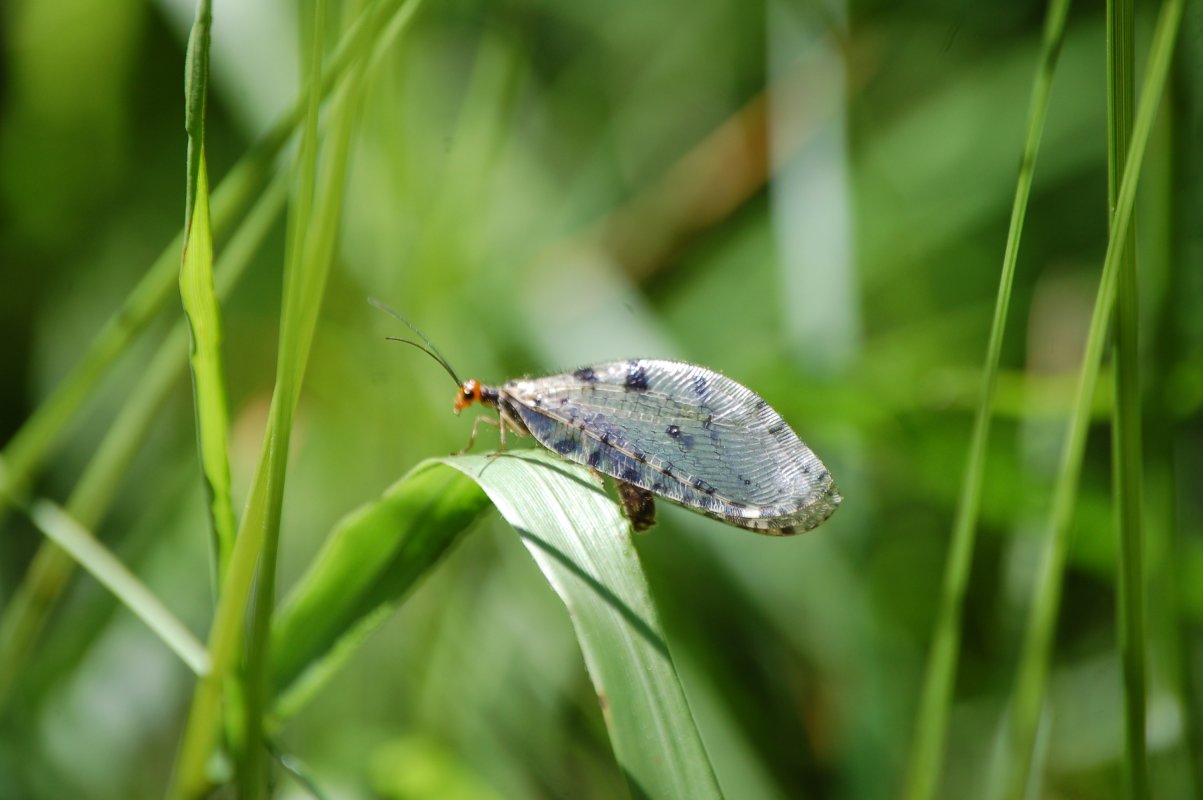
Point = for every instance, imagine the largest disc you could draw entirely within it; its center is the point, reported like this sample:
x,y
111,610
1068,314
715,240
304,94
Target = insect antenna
x,y
429,348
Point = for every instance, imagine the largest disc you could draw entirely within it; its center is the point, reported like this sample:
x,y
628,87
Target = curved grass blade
x,y
581,542
932,721
374,556
61,528
1028,697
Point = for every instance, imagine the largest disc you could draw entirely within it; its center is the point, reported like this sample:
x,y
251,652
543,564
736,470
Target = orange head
x,y
469,393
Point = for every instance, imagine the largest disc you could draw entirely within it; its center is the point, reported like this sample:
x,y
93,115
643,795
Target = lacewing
x,y
665,429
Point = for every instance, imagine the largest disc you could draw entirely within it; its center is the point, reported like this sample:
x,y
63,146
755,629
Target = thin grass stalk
x,y
320,243
62,529
932,722
1185,198
290,367
1127,455
29,607
1028,698
1163,211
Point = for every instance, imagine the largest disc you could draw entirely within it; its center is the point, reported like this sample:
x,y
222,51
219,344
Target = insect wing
x,y
684,432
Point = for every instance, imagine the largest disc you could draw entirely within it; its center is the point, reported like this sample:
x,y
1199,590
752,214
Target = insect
x,y
663,428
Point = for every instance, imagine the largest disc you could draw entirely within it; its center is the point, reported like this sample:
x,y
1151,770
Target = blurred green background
x,y
812,198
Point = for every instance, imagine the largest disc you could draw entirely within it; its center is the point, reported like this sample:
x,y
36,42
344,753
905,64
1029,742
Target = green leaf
x,y
580,541
201,308
374,556
199,297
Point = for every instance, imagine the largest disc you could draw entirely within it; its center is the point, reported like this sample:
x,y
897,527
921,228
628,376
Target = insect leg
x,y
475,426
508,420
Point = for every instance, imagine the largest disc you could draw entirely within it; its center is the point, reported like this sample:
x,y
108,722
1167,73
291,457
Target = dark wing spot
x,y
585,374
658,487
595,458
734,504
822,476
761,403
605,439
630,475
702,486
565,446
636,377
639,456
668,469
673,431
777,429
699,386
708,423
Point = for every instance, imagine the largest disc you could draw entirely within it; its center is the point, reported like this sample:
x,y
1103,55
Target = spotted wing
x,y
683,432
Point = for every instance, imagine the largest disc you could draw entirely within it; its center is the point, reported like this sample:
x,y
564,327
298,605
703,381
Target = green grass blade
x,y
61,528
1127,456
581,542
374,556
199,297
932,721
301,301
309,250
1028,697
203,314
196,90
30,605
